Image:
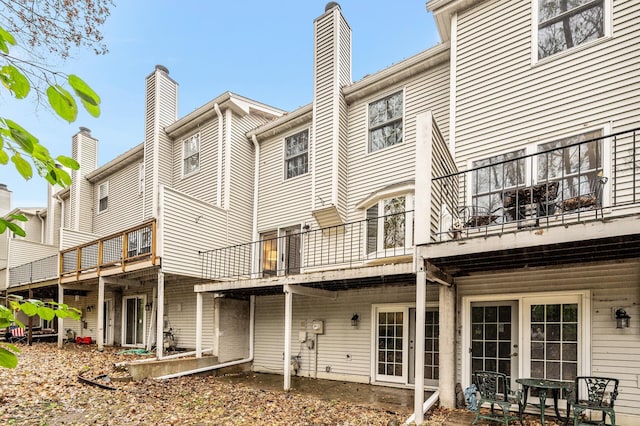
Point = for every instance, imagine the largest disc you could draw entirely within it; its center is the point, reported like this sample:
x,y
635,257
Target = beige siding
x,y
504,101
69,238
346,350
21,252
124,208
276,206
202,184
180,311
614,353
186,226
85,151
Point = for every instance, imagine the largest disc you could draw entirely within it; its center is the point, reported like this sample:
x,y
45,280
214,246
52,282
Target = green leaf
x,y
6,37
20,217
23,166
90,99
15,81
63,178
4,157
29,309
68,162
25,139
16,229
8,359
62,102
46,313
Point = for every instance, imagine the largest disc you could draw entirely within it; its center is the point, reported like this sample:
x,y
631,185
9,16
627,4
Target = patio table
x,y
543,386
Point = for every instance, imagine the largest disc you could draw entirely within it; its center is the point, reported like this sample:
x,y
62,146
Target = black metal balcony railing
x,y
349,244
33,272
117,250
560,185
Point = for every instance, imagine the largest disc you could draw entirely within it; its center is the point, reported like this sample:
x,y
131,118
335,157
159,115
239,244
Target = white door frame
x,y
584,300
124,319
108,325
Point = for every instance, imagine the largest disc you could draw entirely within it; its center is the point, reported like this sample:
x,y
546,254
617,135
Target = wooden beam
x,y
309,291
437,275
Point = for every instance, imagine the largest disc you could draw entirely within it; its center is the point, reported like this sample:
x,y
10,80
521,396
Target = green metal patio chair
x,y
601,394
494,389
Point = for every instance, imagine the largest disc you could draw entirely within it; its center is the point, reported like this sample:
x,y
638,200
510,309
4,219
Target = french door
x,y
134,320
431,346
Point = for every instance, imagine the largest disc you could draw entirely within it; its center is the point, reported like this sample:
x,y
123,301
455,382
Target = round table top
x,y
544,383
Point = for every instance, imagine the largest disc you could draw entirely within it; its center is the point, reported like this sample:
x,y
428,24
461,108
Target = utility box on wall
x,y
317,327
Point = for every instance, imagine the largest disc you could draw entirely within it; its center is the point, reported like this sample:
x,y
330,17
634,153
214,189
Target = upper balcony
x,y
37,271
129,250
579,189
369,244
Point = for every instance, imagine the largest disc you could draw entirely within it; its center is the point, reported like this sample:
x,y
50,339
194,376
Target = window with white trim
x,y
103,196
491,176
564,24
390,225
296,154
191,155
385,122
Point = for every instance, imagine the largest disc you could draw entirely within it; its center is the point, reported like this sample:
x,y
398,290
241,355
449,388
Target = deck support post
x,y
100,333
447,340
61,332
160,317
288,314
198,325
421,306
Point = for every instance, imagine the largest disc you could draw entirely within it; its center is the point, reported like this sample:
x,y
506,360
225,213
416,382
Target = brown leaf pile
x,y
44,390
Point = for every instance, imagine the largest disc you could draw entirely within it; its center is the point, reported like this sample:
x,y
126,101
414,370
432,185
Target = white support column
x,y
198,325
100,333
160,316
61,333
447,339
421,305
288,314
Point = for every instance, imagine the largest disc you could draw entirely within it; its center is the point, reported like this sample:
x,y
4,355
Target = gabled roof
x,y
32,211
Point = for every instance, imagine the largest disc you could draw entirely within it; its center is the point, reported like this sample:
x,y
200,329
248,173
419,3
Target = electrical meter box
x,y
317,327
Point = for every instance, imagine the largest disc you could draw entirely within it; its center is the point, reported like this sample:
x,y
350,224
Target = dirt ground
x,y
44,390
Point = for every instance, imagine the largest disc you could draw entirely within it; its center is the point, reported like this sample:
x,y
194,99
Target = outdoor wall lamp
x,y
90,308
354,320
147,307
622,319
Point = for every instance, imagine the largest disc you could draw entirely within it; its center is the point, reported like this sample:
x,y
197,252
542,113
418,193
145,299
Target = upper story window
x,y
385,122
296,158
103,196
191,155
390,225
563,24
491,176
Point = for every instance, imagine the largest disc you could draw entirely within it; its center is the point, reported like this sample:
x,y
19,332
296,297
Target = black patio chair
x,y
583,196
601,394
493,388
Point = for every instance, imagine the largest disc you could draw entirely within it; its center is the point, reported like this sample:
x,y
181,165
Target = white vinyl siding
x,y
180,315
103,197
503,102
613,352
141,178
191,155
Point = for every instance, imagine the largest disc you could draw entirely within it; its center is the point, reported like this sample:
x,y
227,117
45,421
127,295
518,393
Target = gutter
x,y
216,107
252,309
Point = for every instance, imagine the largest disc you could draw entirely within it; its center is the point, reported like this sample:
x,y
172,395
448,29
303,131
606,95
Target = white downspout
x,y
41,227
252,315
256,192
227,164
220,137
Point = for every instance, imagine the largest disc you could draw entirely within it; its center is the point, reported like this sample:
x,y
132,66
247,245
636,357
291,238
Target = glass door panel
x,y
391,352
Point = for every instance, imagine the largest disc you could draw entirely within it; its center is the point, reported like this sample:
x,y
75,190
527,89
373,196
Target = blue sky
x,y
258,49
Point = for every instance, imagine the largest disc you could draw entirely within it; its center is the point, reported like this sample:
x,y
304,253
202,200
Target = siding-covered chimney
x,y
161,110
84,149
332,71
5,199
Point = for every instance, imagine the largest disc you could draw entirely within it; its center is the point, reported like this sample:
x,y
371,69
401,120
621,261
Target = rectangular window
x,y
491,176
385,122
103,196
390,231
191,155
296,158
563,24
576,165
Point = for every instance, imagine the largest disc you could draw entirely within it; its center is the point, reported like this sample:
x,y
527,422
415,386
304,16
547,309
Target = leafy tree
x,y
31,34
30,307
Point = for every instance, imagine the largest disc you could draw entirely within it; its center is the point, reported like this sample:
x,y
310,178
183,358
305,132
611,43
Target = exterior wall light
x,y
147,307
354,320
622,319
